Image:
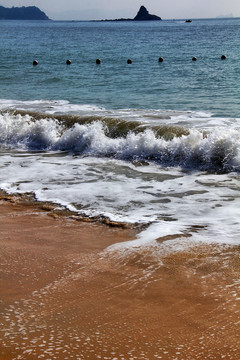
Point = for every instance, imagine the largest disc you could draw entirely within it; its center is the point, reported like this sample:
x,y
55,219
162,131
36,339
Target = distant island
x,y
142,15
22,13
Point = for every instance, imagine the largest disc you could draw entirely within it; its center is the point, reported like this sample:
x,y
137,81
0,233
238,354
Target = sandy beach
x,y
64,296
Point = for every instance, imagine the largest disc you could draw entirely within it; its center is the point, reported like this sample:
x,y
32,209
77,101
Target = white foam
x,y
217,150
50,106
100,179
189,119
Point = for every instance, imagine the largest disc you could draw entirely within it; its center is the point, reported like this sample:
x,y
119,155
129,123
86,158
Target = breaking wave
x,y
131,140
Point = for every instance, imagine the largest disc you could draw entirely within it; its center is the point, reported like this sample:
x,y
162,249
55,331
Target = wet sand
x,y
64,296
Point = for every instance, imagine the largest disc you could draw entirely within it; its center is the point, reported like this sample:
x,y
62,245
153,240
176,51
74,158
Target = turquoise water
x,y
153,144
209,84
148,142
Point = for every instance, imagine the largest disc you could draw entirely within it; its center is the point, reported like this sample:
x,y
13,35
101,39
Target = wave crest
x,y
168,145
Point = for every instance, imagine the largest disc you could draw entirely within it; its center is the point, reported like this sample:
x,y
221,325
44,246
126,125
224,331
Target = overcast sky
x,y
110,9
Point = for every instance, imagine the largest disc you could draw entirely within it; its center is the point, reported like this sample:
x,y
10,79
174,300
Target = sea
x,y
150,144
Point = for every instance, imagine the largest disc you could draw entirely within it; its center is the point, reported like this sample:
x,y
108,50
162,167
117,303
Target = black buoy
x,y
129,61
194,59
160,59
98,61
35,62
68,62
223,57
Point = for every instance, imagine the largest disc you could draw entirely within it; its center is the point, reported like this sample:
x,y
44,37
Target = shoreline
x,y
55,210
63,296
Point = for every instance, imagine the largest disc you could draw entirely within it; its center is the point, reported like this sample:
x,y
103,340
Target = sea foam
x,y
217,149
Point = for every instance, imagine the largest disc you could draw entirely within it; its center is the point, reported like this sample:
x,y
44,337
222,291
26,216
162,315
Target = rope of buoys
x,y
129,61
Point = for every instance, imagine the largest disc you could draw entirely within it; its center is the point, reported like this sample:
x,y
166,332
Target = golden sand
x,y
66,295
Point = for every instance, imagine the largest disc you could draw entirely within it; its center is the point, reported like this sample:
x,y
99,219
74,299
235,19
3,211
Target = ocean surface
x,y
149,143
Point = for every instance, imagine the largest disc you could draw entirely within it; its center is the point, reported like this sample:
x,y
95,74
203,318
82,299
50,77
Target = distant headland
x,y
142,15
22,13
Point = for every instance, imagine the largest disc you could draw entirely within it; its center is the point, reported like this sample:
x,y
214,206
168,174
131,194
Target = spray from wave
x,y
131,140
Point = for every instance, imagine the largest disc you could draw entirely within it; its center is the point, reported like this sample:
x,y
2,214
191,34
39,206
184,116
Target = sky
x,y
111,9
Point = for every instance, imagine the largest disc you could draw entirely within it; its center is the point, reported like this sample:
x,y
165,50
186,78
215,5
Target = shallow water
x,y
152,171
155,144
152,143
209,84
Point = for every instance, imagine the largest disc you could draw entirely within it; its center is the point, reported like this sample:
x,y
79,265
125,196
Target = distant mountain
x,y
142,15
22,13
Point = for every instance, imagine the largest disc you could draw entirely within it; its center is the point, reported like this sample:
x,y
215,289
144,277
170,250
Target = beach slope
x,y
66,295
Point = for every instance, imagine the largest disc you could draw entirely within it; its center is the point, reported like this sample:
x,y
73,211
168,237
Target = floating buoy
x,y
129,61
160,59
35,62
98,61
68,62
223,57
194,59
